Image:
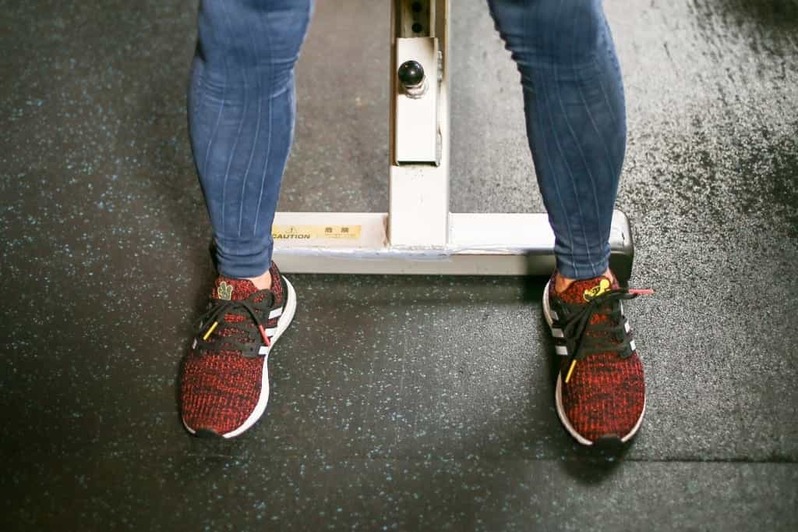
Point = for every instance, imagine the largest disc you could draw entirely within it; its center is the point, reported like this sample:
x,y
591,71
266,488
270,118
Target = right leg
x,y
241,120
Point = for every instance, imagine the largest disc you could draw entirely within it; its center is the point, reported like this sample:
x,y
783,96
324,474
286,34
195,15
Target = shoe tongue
x,y
581,292
232,289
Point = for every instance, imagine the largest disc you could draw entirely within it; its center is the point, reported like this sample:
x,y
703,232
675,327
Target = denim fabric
x,y
242,108
576,120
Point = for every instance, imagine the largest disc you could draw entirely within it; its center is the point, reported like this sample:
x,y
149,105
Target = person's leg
x,y
241,113
575,114
576,125
241,118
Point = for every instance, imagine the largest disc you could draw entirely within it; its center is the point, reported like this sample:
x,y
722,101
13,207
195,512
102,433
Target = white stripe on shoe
x,y
282,324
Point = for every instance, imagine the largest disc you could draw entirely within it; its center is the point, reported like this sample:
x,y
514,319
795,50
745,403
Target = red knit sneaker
x,y
600,387
224,381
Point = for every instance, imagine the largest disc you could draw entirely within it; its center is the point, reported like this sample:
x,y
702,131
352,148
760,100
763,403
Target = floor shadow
x,y
780,15
767,26
594,465
587,465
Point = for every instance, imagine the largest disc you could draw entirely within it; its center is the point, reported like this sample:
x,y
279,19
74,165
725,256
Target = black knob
x,y
411,74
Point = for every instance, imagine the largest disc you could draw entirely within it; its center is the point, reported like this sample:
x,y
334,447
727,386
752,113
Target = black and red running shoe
x,y
224,381
600,393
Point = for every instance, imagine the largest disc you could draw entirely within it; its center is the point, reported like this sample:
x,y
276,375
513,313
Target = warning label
x,y
316,232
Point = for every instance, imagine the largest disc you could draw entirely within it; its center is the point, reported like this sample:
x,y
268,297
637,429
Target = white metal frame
x,y
419,235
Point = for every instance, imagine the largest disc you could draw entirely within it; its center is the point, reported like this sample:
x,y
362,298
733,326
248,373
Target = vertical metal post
x,y
419,174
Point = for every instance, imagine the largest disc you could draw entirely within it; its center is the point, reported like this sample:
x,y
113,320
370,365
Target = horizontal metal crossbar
x,y
478,244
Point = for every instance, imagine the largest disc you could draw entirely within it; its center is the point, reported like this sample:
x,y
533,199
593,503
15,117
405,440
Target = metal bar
x,y
419,193
479,244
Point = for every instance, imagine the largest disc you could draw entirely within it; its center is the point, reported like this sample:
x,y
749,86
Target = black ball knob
x,y
411,73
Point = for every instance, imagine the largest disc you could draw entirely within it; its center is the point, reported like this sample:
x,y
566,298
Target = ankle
x,y
263,281
562,283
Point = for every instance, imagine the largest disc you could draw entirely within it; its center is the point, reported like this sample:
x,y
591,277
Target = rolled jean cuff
x,y
251,258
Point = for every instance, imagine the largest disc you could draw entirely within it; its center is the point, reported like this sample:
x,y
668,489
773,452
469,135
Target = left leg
x,y
574,104
576,121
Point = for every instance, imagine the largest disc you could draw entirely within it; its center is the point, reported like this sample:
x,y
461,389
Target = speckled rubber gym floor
x,y
398,403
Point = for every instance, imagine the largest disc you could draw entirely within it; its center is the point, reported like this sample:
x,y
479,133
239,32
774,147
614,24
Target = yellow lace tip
x,y
213,327
570,371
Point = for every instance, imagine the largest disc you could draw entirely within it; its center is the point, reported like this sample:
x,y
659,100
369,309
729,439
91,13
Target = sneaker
x,y
224,381
600,392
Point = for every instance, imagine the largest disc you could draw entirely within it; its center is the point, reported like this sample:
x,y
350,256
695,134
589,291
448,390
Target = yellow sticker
x,y
316,232
597,290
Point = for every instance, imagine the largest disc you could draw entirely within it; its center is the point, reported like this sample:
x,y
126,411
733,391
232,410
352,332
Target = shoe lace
x,y
236,335
584,336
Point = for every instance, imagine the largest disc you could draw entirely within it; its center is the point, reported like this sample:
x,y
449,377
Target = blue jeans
x,y
242,108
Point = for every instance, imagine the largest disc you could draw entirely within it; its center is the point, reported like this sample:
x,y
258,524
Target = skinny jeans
x,y
242,108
